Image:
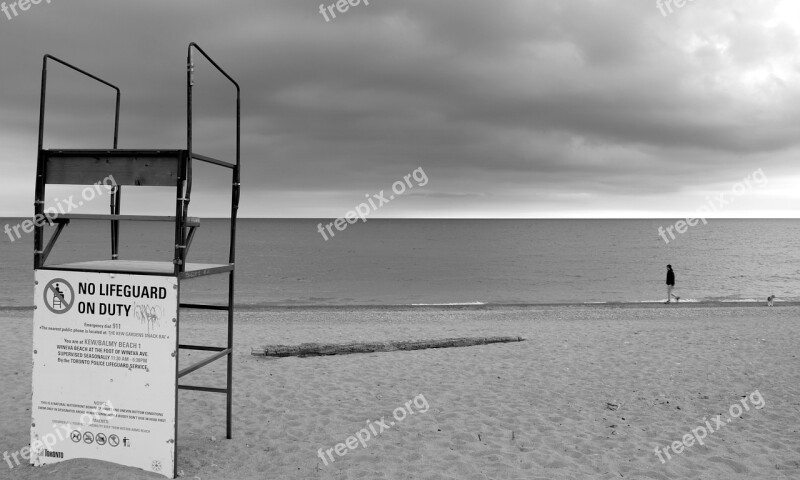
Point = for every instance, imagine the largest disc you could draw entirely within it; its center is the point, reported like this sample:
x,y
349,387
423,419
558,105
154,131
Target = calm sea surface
x,y
399,262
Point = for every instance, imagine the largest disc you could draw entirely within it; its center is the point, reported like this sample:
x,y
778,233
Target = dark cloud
x,y
517,108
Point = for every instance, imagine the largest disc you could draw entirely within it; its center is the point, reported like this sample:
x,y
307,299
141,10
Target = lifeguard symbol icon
x,y
58,296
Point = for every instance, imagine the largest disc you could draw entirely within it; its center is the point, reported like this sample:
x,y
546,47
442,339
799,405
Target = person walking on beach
x,y
671,285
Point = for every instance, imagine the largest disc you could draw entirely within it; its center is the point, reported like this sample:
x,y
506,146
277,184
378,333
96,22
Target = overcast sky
x,y
518,108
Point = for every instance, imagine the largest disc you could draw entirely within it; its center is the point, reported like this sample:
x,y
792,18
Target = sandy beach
x,y
590,394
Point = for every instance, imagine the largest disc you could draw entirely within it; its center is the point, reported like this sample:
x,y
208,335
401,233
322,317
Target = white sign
x,y
104,359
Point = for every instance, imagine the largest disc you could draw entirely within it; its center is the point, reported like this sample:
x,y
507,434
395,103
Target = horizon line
x,y
211,217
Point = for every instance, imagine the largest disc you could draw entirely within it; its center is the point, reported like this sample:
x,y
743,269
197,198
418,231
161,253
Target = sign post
x,y
104,369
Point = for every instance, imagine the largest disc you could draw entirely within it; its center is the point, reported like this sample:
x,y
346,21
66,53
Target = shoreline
x,y
483,306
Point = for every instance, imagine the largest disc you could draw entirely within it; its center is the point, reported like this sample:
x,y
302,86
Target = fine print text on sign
x,y
104,339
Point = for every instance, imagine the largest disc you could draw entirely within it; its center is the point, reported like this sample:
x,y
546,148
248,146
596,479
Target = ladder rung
x,y
203,363
202,347
203,389
204,307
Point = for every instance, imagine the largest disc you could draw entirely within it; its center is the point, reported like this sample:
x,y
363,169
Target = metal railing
x,y
38,236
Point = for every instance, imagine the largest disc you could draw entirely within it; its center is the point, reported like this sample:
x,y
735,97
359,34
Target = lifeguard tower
x,y
121,369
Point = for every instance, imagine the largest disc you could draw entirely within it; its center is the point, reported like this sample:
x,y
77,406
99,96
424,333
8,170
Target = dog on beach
x,y
770,299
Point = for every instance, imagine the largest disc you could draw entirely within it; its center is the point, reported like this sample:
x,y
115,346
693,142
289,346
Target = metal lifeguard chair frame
x,y
149,167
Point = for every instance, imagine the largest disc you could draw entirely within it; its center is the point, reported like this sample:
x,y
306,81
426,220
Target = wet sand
x,y
590,394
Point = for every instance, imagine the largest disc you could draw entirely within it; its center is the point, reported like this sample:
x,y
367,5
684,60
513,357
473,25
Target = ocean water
x,y
402,262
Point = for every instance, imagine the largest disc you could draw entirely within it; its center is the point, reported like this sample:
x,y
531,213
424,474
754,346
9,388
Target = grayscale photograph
x,y
400,240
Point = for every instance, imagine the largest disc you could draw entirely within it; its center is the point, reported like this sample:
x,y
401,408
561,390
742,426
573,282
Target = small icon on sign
x,y
75,436
113,440
100,438
88,437
156,465
58,296
126,441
